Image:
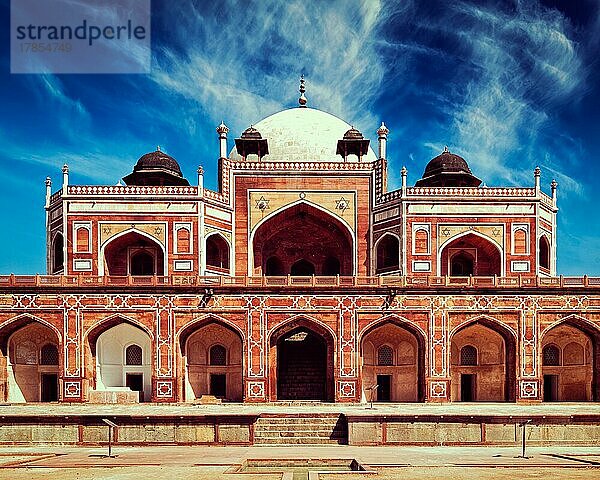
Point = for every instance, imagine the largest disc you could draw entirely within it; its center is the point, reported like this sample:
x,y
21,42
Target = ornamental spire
x,y
302,100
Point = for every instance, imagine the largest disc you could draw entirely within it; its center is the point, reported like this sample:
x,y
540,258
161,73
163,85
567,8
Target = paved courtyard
x,y
217,462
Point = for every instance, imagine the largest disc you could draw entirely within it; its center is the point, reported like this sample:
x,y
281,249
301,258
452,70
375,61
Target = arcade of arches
x,y
133,254
470,255
303,240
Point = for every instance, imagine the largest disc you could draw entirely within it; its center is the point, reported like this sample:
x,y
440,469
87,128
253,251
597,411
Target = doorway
x,y
218,385
467,388
301,366
49,391
135,381
384,391
550,388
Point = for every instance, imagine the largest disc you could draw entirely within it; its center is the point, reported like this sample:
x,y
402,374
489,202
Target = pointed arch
x,y
221,258
303,320
10,326
99,327
58,252
576,321
147,236
189,328
387,253
448,244
544,252
486,321
315,342
392,318
257,257
198,342
478,383
406,379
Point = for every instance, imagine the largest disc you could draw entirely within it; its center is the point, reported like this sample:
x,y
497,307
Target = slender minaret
x,y
302,100
222,130
553,186
65,171
536,174
200,180
382,133
48,191
403,173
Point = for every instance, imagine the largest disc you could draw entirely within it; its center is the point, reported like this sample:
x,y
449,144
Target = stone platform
x,y
289,423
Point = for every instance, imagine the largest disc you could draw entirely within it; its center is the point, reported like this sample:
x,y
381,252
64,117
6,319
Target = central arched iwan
x,y
303,240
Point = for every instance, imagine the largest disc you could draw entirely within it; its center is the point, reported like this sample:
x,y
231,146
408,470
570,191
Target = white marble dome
x,y
303,135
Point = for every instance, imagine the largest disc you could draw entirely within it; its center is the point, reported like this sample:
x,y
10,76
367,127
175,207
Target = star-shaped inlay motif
x,y
157,231
342,204
495,231
106,230
262,203
445,232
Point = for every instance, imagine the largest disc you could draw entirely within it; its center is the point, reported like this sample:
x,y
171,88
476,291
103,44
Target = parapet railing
x,y
8,281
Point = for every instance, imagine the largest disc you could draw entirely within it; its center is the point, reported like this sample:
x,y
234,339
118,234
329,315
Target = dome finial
x,y
446,149
158,148
302,100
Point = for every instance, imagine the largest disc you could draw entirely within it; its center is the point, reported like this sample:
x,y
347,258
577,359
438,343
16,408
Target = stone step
x,y
302,432
297,421
299,441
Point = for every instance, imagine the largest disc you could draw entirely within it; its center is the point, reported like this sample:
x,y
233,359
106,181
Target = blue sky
x,y
507,85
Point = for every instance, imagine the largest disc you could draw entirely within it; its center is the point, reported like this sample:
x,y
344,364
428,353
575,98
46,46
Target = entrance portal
x,y
135,381
550,388
383,388
218,385
49,391
301,366
467,388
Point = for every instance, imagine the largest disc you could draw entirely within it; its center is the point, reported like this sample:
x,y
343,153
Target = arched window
x,y
217,252
421,241
520,239
274,267
142,263
133,355
302,268
468,356
57,253
49,355
388,254
82,239
183,240
385,355
461,265
544,252
331,266
217,355
551,356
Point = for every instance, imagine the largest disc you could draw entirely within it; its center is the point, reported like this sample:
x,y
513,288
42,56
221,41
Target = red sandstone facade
x,y
302,278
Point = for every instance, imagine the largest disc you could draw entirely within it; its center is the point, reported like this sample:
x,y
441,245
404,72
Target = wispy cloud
x,y
524,64
249,68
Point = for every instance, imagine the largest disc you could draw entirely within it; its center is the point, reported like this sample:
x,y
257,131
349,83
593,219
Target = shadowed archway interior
x,y
303,240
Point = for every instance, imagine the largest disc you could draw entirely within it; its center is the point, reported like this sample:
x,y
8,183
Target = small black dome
x,y
353,134
156,168
158,160
448,170
251,133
